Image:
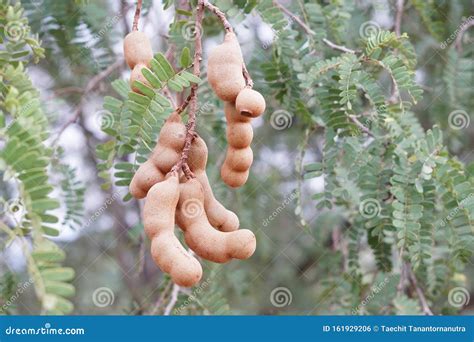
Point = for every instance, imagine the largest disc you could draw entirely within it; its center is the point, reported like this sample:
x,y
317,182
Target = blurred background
x,y
298,267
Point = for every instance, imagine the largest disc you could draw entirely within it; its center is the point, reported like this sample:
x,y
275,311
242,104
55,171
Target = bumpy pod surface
x,y
219,217
166,250
250,103
165,154
137,49
224,68
239,157
201,237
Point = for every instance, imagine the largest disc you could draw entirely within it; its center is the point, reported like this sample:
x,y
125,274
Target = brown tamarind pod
x,y
159,221
219,217
146,176
239,156
224,68
233,178
137,49
165,154
137,75
250,103
240,135
201,237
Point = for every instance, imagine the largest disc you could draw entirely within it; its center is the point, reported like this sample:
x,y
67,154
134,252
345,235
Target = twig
x,y
173,300
419,292
465,27
398,17
337,47
360,125
161,299
91,85
219,14
137,15
248,79
294,17
308,30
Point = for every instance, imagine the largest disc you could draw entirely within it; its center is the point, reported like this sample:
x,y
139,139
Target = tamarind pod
x,y
146,176
239,159
232,115
137,75
250,103
137,49
201,237
219,217
239,134
232,178
166,250
224,68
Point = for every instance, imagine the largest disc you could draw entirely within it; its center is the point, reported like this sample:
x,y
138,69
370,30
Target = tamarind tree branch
x,y
91,85
419,292
137,15
248,79
398,17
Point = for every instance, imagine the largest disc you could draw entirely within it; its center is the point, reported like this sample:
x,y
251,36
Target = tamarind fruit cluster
x,y
138,54
210,230
225,75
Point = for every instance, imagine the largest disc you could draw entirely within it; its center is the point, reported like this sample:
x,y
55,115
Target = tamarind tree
x,y
360,195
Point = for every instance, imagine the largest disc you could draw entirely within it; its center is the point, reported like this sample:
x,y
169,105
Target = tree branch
x,y
219,14
398,17
419,292
173,300
182,164
308,30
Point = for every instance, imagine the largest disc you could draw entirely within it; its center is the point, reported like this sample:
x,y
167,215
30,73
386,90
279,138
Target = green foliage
x,y
25,160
